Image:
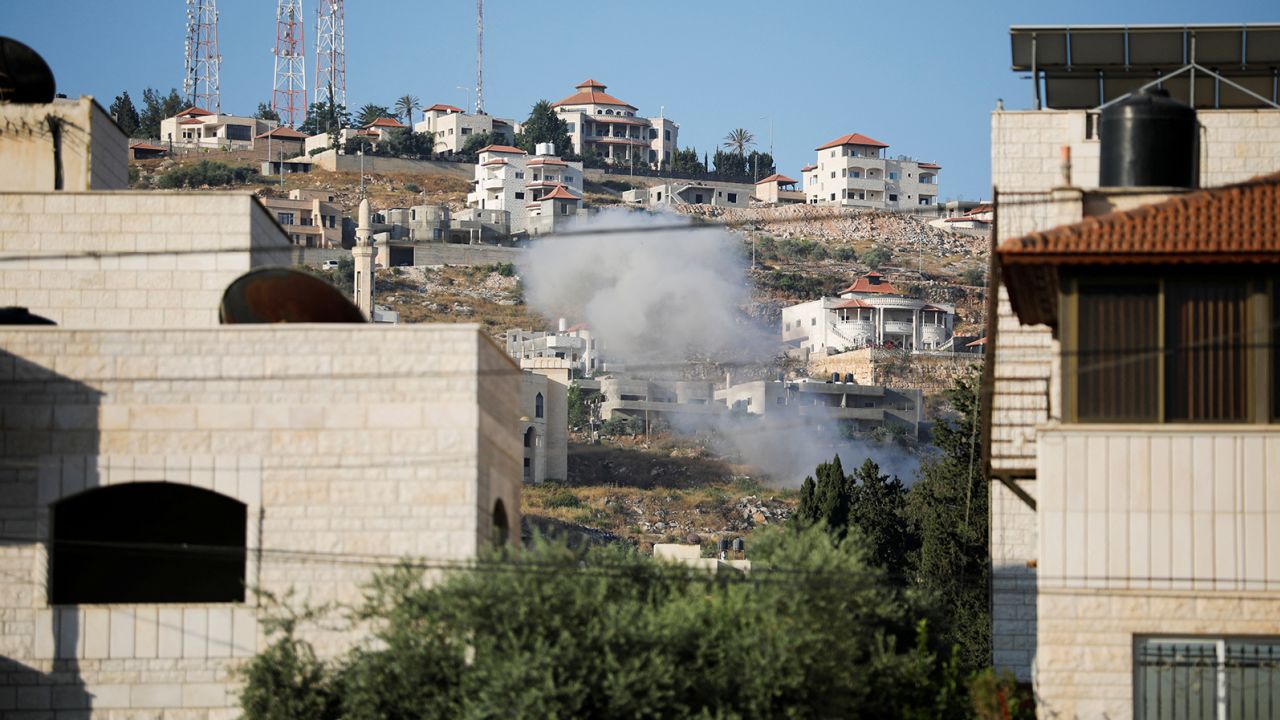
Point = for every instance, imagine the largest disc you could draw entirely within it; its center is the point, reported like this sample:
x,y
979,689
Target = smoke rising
x,y
658,299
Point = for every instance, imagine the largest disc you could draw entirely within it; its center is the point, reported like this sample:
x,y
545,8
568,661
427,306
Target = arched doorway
x,y
530,454
150,542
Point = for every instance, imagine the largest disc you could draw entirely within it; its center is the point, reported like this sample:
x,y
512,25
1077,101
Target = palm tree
x,y
371,112
739,140
405,107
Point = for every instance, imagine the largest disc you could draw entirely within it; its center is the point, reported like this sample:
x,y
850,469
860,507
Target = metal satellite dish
x,y
281,295
24,76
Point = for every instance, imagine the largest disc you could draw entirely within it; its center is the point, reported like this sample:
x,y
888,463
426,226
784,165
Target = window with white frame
x,y
1214,678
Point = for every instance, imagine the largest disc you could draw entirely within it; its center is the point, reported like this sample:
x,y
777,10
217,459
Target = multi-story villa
x,y
574,344
691,192
534,194
869,313
453,127
854,171
1131,439
602,125
778,190
311,218
198,128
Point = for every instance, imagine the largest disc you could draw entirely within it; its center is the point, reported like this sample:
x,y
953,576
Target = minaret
x,y
362,253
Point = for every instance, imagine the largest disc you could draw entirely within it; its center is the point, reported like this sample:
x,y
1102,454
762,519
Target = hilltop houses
x,y
453,127
196,127
530,195
870,312
603,126
854,171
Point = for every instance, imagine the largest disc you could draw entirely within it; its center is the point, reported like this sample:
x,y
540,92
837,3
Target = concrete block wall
x,y
363,442
131,259
1014,536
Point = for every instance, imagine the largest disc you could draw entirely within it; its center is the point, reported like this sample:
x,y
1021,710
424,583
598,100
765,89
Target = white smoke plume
x,y
656,298
649,296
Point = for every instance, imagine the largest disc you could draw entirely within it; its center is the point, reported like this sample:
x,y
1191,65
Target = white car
x,y
329,265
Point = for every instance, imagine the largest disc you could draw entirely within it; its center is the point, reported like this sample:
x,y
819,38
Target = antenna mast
x,y
289,95
200,76
331,54
479,57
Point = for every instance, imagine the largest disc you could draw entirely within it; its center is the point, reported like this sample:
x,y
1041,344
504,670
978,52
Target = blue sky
x,y
921,75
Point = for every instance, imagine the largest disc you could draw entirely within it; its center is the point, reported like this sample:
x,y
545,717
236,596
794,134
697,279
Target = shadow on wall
x,y
49,431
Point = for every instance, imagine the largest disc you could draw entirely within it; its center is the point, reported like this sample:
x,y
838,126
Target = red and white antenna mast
x,y
289,96
200,75
331,54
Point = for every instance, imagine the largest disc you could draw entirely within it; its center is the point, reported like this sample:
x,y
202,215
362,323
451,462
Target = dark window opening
x,y
1116,370
1207,366
148,543
537,406
501,528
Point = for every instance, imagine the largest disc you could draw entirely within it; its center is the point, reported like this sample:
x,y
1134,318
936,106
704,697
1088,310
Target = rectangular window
x,y
893,175
1116,373
1207,366
570,126
893,197
519,196
1210,678
855,173
466,131
285,218
519,175
733,197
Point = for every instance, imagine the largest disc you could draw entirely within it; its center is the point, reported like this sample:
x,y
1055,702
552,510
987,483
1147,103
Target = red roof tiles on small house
x,y
193,111
560,193
546,161
444,108
385,122
872,282
501,149
854,303
146,146
191,121
281,132
852,139
807,168
776,178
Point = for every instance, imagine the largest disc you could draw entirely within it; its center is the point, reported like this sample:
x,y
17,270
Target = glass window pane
x,y
1253,680
1206,372
1116,356
1177,680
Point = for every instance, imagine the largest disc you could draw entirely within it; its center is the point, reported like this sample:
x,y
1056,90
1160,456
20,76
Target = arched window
x,y
530,437
150,542
501,529
537,406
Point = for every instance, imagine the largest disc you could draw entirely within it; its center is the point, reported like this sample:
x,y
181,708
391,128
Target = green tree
x,y
157,107
545,126
326,117
686,161
738,141
406,105
125,114
579,413
265,112
760,164
948,513
370,112
470,151
875,257
730,165
812,632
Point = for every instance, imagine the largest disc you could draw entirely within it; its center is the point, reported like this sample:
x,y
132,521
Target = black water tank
x,y
1148,140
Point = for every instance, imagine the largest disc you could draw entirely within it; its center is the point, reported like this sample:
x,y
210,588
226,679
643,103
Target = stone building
x,y
196,127
544,418
299,456
862,407
1082,639
870,312
312,218
453,127
691,192
854,171
604,126
575,344
533,194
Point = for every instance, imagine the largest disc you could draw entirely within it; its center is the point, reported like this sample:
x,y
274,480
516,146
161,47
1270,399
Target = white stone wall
x,y
93,150
360,442
131,259
1013,579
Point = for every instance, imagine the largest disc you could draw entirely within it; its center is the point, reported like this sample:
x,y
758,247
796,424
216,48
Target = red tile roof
x,y
191,121
385,122
619,119
145,146
591,92
446,108
780,179
560,193
499,161
930,166
547,161
501,149
852,139
282,131
854,303
872,282
193,111
807,168
1229,225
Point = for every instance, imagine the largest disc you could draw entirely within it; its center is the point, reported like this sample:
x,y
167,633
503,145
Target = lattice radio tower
x,y
479,57
331,54
200,74
289,96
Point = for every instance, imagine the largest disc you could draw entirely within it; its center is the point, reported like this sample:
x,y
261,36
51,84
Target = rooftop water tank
x,y
1149,140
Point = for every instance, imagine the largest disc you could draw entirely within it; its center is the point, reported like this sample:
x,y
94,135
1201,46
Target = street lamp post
x,y
360,152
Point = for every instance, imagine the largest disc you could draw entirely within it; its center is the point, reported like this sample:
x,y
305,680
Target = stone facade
x,y
92,151
409,457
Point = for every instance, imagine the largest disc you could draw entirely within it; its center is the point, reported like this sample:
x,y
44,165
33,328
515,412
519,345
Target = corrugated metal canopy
x,y
1086,66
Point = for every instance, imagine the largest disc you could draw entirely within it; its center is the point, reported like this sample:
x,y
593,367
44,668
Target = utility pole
x,y
200,84
289,92
479,57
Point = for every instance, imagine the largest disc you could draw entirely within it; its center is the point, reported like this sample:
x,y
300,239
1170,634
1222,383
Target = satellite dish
x,y
22,316
281,295
24,76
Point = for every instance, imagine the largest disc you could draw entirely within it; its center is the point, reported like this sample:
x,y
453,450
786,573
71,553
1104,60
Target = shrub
x,y
621,425
563,499
207,173
875,257
844,253
412,187
974,276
